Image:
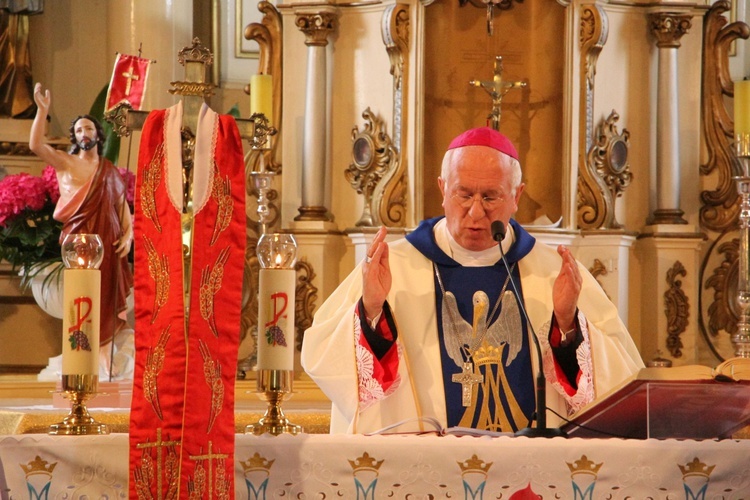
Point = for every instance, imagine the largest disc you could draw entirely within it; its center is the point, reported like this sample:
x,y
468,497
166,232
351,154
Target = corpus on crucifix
x,y
497,88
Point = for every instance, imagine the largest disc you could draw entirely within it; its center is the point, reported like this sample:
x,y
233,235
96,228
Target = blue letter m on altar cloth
x,y
260,493
586,494
701,495
365,494
33,495
477,494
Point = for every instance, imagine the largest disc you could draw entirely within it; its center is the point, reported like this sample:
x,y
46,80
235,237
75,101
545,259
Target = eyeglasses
x,y
467,200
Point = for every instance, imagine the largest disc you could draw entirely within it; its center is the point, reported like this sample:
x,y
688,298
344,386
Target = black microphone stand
x,y
541,429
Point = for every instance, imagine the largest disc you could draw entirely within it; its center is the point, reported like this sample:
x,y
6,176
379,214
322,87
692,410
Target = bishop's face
x,y
478,191
85,133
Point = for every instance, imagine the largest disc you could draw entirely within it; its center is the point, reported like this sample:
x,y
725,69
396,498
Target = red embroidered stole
x,y
182,414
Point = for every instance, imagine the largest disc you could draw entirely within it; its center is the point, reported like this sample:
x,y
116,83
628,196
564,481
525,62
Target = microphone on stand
x,y
541,430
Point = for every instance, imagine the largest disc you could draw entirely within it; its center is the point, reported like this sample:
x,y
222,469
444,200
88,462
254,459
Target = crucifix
x,y
497,89
467,378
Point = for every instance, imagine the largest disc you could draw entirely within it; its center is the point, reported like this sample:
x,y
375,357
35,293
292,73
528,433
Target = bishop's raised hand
x,y
376,275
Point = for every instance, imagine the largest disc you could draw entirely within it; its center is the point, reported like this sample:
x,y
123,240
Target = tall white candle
x,y
81,309
276,319
261,96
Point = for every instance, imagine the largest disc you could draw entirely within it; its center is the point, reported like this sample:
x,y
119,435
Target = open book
x,y
691,402
431,425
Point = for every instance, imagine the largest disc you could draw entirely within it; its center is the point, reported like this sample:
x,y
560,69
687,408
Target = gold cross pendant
x,y
467,378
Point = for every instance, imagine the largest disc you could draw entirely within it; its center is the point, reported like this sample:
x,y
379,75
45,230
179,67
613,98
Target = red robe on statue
x,y
182,415
94,210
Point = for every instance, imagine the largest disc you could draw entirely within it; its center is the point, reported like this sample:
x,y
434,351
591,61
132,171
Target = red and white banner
x,y
128,83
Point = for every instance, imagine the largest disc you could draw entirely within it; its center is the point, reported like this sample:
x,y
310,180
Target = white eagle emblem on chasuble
x,y
482,345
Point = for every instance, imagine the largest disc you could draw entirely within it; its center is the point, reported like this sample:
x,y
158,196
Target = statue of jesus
x,y
92,200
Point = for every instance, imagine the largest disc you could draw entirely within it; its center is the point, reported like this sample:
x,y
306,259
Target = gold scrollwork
x,y
605,178
723,313
719,208
305,295
676,309
593,35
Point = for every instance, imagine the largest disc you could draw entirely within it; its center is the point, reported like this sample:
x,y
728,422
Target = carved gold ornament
x,y
606,175
373,155
669,27
593,35
676,309
719,207
316,27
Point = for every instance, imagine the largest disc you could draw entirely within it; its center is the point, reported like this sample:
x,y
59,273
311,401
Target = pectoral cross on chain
x,y
467,378
497,89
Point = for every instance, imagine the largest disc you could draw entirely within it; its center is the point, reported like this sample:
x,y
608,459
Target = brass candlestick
x,y
741,339
82,255
274,386
78,389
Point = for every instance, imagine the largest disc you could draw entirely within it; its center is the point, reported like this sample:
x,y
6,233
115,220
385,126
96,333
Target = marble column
x,y
668,28
316,26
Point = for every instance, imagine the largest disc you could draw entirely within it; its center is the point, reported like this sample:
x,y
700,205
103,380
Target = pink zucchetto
x,y
485,136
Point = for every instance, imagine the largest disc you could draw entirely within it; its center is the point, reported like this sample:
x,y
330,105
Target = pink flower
x,y
49,176
18,192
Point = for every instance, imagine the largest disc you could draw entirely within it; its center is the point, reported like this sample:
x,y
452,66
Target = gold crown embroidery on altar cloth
x,y
257,463
696,468
38,466
584,466
365,462
474,464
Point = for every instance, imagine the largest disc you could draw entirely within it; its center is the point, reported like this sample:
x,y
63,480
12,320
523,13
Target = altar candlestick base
x,y
274,386
79,388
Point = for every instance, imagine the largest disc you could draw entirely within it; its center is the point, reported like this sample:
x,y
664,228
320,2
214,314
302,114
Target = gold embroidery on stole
x,y
158,269
154,364
212,374
144,473
221,191
151,179
210,285
217,487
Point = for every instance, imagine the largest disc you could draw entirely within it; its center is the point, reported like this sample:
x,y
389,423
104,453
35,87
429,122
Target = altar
x,y
401,466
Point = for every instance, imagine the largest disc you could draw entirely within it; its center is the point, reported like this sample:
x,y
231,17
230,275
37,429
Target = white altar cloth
x,y
401,466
